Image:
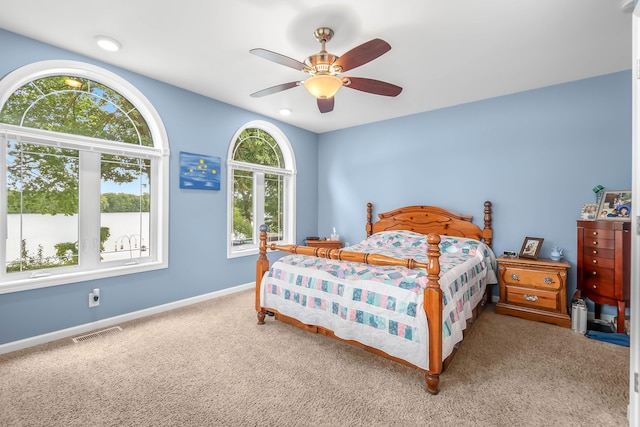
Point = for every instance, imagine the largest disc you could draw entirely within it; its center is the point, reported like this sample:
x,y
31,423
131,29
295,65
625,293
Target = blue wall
x,y
535,155
197,219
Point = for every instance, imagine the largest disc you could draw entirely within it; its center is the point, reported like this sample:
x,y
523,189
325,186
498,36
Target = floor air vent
x,y
97,334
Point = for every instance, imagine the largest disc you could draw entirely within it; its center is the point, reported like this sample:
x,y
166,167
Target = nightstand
x,y
329,244
534,289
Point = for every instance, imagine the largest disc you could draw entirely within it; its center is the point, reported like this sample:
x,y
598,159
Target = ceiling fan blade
x,y
376,87
275,89
278,58
362,54
325,105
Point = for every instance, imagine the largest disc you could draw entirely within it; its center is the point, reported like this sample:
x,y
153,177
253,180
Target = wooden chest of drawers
x,y
534,289
604,255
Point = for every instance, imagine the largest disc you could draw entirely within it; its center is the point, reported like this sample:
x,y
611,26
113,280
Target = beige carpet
x,y
210,365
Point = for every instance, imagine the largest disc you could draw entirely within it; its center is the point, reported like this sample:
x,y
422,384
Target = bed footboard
x,y
432,294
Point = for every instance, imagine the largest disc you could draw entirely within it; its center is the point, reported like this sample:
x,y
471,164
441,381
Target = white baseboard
x,y
105,323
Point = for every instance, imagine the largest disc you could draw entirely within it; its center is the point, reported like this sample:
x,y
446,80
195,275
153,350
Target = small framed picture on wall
x,y
615,205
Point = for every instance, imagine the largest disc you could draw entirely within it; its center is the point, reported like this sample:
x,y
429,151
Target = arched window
x,y
261,188
86,167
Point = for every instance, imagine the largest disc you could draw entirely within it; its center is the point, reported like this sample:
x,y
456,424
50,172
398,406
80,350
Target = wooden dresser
x,y
534,289
604,257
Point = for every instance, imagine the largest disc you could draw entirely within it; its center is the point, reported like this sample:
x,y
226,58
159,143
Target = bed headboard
x,y
431,219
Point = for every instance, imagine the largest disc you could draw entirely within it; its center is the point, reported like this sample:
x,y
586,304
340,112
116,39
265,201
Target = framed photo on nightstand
x,y
531,247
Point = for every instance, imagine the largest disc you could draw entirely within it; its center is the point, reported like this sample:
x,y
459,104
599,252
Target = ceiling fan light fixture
x,y
324,69
323,86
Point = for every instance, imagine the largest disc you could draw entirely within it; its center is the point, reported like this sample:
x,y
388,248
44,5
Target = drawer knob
x,y
514,276
595,233
595,242
595,286
595,261
595,252
532,298
548,280
594,273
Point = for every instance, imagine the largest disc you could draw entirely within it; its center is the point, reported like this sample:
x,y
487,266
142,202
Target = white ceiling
x,y
444,52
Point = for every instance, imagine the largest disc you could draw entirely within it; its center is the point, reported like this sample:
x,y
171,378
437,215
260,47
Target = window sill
x,y
25,284
243,253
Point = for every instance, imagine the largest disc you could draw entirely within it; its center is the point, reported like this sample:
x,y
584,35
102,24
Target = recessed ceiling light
x,y
107,43
285,111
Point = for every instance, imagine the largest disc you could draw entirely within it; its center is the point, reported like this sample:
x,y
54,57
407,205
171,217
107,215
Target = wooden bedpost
x,y
433,308
487,237
487,233
262,266
369,220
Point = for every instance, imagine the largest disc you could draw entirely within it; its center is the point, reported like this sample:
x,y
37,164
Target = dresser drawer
x,y
599,233
598,261
599,273
599,252
598,286
536,298
595,242
525,277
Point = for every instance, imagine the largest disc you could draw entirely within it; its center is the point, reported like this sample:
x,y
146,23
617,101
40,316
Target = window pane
x,y
274,206
77,106
258,147
242,209
124,208
42,201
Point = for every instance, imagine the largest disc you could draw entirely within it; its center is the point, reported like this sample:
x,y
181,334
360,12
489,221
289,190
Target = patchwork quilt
x,y
382,306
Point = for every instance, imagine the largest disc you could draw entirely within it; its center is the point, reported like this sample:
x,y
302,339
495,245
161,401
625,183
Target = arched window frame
x,y
160,170
289,172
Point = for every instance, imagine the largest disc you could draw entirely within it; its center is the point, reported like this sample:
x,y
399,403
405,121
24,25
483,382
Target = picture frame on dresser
x,y
615,205
589,211
531,247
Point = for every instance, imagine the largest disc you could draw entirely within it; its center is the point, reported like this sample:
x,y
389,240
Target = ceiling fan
x,y
325,68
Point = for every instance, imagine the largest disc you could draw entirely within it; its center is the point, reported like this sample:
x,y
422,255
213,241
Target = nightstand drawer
x,y
523,277
536,298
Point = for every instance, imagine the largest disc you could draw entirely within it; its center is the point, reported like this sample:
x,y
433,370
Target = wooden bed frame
x,y
429,220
